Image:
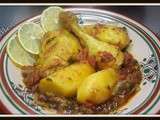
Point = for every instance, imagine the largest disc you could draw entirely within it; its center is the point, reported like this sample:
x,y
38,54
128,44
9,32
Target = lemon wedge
x,y
29,36
50,18
17,54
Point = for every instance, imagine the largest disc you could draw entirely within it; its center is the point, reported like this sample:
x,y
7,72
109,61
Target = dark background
x,y
147,15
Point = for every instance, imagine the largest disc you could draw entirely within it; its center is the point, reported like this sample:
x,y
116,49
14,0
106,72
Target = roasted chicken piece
x,y
94,46
57,49
109,33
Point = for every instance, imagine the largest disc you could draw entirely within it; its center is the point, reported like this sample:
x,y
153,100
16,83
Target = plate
x,y
16,99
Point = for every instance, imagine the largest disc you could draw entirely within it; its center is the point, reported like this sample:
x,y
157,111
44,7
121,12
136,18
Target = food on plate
x,y
73,68
65,82
98,85
57,49
109,33
50,19
95,47
18,55
29,36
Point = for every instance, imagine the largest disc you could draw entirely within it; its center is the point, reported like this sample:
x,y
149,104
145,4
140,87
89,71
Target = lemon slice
x,y
17,54
50,18
29,36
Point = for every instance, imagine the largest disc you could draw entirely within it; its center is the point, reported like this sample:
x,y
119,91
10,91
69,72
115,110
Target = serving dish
x,y
16,99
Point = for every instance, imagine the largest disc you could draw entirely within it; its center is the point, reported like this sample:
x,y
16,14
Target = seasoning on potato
x,y
97,87
65,82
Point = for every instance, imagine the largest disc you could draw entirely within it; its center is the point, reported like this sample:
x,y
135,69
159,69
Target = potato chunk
x,y
97,88
65,82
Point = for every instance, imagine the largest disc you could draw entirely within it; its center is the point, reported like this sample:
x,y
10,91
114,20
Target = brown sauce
x,y
127,87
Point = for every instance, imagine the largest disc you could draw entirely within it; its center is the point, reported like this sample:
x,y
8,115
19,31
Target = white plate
x,y
145,48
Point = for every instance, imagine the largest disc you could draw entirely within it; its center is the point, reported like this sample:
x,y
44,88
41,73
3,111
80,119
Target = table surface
x,y
148,15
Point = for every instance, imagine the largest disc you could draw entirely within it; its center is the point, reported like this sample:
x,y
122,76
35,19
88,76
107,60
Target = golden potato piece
x,y
110,34
97,88
65,82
